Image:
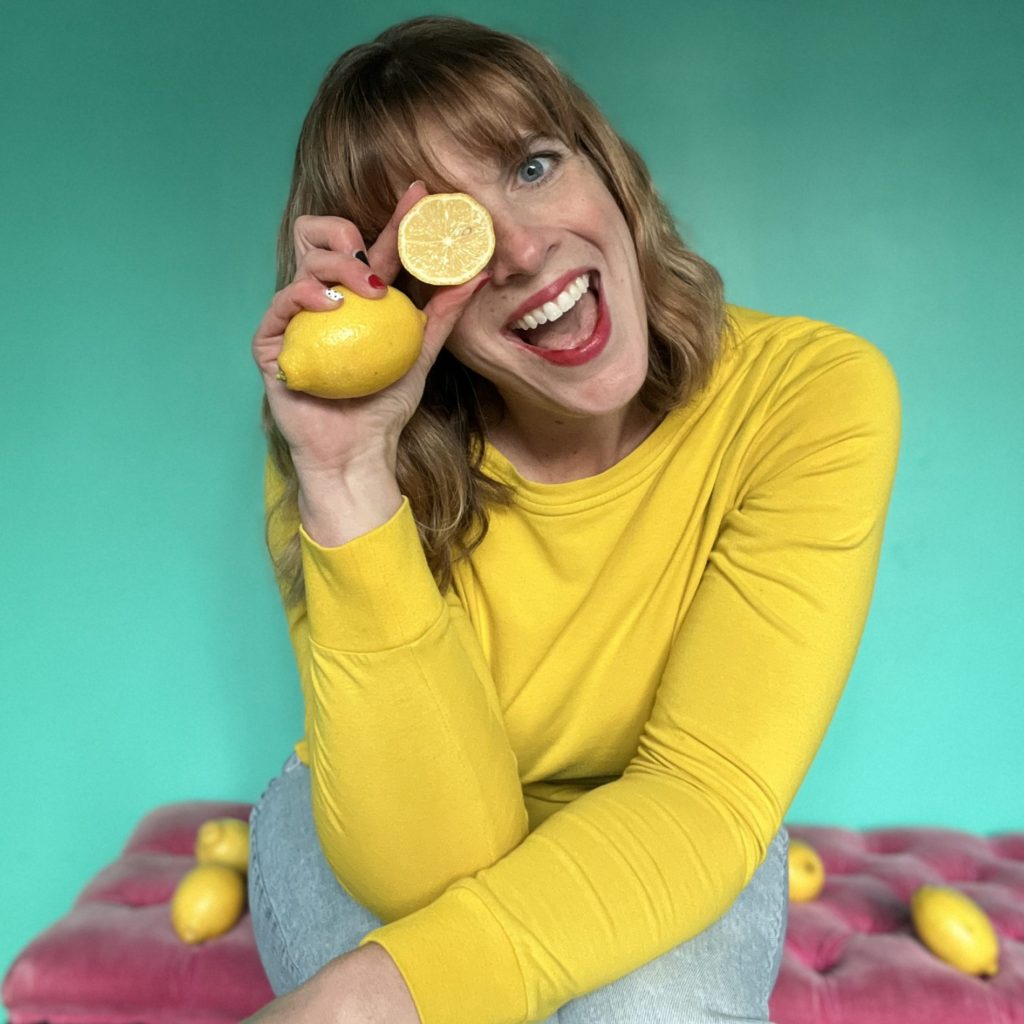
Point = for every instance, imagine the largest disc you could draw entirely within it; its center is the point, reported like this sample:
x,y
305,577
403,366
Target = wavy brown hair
x,y
360,146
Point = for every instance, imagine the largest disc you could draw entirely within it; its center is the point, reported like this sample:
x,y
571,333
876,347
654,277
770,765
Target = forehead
x,y
473,128
450,138
451,160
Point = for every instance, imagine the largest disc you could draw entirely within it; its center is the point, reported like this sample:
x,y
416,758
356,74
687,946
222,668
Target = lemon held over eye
x,y
359,348
446,239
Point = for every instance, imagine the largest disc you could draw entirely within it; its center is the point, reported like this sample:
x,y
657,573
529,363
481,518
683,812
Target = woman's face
x,y
560,238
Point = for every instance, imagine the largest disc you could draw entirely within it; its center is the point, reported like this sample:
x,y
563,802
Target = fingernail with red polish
x,y
376,282
486,280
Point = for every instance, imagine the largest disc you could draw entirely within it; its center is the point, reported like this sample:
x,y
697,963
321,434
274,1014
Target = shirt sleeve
x,y
631,869
413,780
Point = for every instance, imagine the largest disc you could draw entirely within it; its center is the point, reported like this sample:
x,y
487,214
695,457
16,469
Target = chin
x,y
607,394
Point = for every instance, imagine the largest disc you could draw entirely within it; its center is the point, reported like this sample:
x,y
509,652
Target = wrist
x,y
367,984
336,507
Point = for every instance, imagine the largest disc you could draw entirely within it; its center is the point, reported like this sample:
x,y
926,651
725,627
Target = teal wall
x,y
853,162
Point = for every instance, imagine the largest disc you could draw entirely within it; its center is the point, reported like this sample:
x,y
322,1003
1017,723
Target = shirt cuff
x,y
375,592
457,961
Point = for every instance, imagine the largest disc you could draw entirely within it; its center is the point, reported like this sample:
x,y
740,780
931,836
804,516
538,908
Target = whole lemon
x,y
223,841
955,929
806,872
355,350
207,902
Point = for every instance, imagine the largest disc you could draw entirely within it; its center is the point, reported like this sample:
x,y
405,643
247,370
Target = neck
x,y
558,450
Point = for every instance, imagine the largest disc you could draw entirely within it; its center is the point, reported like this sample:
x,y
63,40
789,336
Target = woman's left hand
x,y
361,987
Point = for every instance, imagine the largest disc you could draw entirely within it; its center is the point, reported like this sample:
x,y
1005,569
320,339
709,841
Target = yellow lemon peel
x,y
806,872
360,348
223,841
955,929
208,902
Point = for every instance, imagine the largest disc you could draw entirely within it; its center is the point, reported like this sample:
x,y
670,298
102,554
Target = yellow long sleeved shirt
x,y
574,760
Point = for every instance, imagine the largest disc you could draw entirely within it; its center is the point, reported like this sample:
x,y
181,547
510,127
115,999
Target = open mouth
x,y
564,322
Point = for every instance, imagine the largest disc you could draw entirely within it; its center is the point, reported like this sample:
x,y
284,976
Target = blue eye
x,y
536,167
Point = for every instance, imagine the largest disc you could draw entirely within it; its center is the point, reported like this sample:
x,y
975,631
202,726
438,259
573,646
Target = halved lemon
x,y
446,239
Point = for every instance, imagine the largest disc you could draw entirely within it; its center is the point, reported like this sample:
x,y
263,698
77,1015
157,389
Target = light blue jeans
x,y
302,919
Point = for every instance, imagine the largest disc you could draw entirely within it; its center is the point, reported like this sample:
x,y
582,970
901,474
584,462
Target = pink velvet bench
x,y
114,959
850,955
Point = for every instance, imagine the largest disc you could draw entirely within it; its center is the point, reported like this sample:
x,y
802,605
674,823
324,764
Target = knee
x,y
724,974
275,833
302,918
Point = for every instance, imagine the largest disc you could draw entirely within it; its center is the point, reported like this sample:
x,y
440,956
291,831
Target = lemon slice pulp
x,y
446,239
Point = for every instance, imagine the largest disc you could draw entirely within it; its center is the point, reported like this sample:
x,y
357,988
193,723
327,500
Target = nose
x,y
521,246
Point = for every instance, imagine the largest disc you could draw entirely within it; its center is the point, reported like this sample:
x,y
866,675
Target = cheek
x,y
457,341
462,345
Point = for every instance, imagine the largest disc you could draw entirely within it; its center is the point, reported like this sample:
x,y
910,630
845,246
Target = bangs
x,y
492,111
495,121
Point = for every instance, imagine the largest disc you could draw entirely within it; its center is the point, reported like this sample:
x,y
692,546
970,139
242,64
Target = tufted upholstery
x,y
851,955
113,959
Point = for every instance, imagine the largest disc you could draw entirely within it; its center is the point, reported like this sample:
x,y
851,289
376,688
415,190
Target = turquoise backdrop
x,y
856,162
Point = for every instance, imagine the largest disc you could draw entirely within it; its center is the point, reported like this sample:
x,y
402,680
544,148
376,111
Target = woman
x,y
573,601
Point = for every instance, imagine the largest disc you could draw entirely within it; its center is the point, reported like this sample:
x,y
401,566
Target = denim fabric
x,y
302,918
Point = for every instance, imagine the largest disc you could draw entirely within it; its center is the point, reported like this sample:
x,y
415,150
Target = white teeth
x,y
562,303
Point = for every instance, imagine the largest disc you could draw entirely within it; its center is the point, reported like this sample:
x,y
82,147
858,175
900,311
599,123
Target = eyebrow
x,y
530,139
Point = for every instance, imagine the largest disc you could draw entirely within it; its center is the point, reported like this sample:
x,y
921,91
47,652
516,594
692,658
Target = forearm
x,y
368,981
414,781
338,505
361,987
612,881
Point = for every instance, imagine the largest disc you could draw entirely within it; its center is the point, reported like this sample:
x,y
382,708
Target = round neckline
x,y
566,495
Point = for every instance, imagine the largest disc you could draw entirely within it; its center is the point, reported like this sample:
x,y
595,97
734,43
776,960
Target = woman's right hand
x,y
328,437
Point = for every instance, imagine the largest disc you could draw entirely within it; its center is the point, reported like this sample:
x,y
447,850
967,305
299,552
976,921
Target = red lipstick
x,y
587,350
548,294
590,349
